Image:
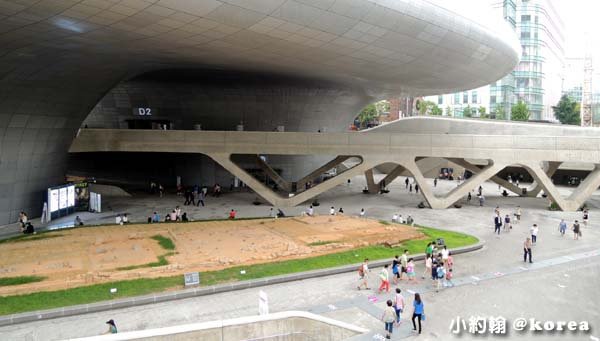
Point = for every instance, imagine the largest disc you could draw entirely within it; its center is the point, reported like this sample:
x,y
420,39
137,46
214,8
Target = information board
x,y
191,278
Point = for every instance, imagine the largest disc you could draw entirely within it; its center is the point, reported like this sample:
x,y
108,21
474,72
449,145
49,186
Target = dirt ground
x,y
90,255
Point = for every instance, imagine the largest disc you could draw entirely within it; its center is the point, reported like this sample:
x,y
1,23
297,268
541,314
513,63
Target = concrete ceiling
x,y
386,47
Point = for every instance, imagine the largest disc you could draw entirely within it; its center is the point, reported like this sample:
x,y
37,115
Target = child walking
x,y
389,317
385,279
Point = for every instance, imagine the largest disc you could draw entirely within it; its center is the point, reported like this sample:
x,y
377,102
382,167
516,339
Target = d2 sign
x,y
143,111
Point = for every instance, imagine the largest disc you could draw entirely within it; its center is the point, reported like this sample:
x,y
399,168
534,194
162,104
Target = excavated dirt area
x,y
88,255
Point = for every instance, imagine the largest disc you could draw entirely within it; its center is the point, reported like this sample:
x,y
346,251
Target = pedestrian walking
x,y
479,190
534,233
396,269
418,312
576,230
410,188
410,270
435,182
518,215
406,182
469,197
389,317
403,263
112,327
481,200
445,254
201,197
440,275
428,264
449,282
507,225
398,305
527,250
497,224
363,275
562,227
384,276
161,190
417,188
586,216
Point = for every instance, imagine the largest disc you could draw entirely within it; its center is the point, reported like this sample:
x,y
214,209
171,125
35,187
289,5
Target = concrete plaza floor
x,y
561,285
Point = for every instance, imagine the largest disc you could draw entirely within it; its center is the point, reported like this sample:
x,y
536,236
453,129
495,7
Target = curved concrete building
x,y
305,64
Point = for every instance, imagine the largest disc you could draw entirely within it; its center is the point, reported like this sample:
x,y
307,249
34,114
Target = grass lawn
x,y
6,281
100,292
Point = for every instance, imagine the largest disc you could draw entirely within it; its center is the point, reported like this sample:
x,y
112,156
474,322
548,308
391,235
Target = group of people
x,y
394,308
409,185
397,218
157,188
173,216
505,223
193,193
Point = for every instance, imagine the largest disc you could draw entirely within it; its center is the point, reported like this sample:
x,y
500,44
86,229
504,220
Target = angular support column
x,y
371,186
586,188
257,186
391,176
457,193
300,184
275,199
476,169
535,189
271,173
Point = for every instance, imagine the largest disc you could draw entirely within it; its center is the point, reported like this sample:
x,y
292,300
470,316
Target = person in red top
x,y
232,214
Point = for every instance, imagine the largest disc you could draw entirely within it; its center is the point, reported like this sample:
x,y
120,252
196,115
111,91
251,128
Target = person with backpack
x,y
384,276
363,274
389,317
441,274
507,225
418,312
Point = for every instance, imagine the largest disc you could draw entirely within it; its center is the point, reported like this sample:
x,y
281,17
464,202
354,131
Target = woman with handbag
x,y
418,312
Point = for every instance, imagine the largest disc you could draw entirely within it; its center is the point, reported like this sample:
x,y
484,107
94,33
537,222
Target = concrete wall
x,y
288,326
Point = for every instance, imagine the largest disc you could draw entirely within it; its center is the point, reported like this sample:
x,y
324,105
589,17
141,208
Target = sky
x,y
578,17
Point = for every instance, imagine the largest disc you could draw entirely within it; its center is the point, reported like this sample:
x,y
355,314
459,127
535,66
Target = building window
x,y
493,99
525,35
440,100
473,96
465,97
456,98
525,18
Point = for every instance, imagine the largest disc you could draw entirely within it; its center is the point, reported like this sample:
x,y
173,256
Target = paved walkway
x,y
560,285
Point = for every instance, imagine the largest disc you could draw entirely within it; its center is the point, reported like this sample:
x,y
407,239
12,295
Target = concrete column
x,y
371,186
476,169
257,186
457,193
300,184
396,172
587,187
540,177
271,173
535,189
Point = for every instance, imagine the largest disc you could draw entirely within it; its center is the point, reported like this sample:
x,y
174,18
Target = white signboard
x,y
263,303
62,198
71,196
53,197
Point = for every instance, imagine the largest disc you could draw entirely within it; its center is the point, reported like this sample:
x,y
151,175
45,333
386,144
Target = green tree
x,y
449,111
499,112
482,112
435,110
467,111
567,111
519,112
369,113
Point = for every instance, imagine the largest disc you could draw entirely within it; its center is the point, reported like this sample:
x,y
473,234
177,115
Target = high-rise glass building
x,y
537,80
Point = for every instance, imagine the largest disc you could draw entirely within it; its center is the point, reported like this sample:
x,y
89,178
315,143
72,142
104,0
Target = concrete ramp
x,y
287,325
109,190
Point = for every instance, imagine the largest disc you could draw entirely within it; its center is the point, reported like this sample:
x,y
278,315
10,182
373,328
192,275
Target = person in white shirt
x,y
362,212
400,219
332,211
534,233
310,211
395,218
118,220
125,219
173,216
177,213
445,254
